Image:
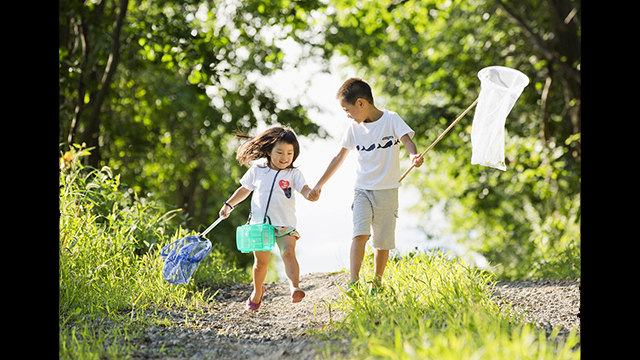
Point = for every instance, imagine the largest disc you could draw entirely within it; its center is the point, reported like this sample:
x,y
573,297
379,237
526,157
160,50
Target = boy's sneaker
x,y
353,288
375,288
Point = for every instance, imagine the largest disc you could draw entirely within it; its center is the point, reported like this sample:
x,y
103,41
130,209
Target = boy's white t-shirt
x,y
282,208
378,146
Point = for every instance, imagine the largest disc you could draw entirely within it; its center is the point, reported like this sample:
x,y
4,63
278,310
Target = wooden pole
x,y
440,137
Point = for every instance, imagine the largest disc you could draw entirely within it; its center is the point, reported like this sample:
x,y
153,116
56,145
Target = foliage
x,y
422,58
186,79
435,308
218,268
157,89
110,267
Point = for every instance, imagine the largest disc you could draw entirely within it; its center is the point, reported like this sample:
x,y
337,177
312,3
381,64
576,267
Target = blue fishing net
x,y
182,256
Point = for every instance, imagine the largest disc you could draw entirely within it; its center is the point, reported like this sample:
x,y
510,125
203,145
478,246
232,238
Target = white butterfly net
x,y
500,87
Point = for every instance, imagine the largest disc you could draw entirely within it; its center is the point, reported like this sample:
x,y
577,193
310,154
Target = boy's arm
x,y
416,159
234,200
334,165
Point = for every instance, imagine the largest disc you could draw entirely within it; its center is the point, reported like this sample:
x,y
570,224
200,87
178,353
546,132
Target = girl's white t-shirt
x,y
378,146
282,208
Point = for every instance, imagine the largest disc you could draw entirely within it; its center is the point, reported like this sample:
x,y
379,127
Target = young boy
x,y
375,135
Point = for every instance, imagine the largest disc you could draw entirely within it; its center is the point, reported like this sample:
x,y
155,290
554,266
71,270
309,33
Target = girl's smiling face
x,y
281,155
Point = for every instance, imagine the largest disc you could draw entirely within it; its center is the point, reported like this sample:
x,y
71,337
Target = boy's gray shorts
x,y
377,210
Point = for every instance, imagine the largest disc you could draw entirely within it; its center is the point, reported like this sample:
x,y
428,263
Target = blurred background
x,y
157,90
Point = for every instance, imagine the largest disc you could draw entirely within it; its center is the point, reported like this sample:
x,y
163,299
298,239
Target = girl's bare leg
x,y
287,246
260,266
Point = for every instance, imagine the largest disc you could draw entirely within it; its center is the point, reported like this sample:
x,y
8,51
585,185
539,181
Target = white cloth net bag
x,y
500,87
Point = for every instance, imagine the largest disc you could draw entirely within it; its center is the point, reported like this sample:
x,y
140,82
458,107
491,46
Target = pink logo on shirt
x,y
284,185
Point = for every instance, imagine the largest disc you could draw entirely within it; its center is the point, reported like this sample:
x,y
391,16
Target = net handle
x,y
212,226
439,137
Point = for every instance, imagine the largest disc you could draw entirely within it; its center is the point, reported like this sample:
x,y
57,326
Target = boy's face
x,y
355,111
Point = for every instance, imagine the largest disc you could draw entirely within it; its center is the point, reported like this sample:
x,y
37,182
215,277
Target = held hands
x,y
312,194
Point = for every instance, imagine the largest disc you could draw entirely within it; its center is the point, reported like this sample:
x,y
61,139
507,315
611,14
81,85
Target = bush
x,y
109,254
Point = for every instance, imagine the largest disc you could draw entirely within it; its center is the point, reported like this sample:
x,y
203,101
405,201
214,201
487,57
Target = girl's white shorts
x,y
376,210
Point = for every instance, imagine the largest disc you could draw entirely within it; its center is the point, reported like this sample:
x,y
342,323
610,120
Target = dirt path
x,y
545,303
279,329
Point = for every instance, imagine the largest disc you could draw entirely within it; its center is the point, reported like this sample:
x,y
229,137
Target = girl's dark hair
x,y
260,146
354,89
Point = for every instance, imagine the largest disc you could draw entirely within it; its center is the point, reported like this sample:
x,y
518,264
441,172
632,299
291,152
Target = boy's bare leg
x,y
358,247
380,258
260,266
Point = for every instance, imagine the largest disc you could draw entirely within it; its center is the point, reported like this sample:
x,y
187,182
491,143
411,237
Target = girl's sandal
x,y
297,295
253,306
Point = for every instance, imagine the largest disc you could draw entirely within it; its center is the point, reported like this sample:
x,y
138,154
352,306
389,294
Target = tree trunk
x,y
92,130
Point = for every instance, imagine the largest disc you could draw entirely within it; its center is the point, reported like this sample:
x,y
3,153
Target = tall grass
x,y
110,269
110,282
433,307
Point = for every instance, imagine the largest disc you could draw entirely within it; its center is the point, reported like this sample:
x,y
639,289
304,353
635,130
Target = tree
x,y
158,88
92,74
423,56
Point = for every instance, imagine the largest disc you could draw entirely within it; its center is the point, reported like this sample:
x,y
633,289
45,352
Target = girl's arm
x,y
334,165
234,200
416,160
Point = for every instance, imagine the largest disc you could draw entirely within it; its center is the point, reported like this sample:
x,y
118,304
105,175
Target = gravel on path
x,y
281,330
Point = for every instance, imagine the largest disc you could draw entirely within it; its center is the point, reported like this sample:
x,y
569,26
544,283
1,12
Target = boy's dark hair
x,y
260,146
354,89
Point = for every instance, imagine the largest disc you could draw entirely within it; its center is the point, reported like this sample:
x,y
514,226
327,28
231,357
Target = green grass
x,y
110,284
110,269
433,307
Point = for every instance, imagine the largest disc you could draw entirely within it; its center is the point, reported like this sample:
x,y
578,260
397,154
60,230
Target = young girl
x,y
280,148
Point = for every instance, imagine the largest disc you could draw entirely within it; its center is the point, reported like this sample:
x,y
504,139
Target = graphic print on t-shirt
x,y
284,185
381,145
